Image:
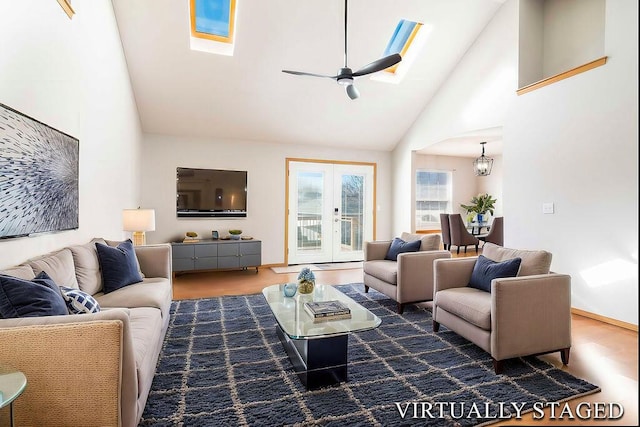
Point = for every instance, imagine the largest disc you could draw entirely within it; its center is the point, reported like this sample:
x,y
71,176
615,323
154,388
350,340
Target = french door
x,y
330,211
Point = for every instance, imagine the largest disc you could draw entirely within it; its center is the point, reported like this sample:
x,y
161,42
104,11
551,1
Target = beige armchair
x,y
525,315
410,278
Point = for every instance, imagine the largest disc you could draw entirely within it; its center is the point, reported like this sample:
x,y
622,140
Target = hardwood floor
x,y
602,354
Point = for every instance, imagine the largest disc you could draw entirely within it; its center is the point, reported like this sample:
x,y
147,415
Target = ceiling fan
x,y
346,76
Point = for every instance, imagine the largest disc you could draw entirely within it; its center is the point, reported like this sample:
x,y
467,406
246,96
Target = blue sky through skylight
x,y
213,17
400,37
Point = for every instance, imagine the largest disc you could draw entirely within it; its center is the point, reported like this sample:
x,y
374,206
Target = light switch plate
x,y
547,208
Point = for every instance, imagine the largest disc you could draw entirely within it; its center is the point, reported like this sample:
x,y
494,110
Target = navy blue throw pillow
x,y
118,266
399,246
485,270
35,298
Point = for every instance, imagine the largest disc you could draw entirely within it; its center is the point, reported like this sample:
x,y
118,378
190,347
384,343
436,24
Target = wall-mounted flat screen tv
x,y
205,193
38,177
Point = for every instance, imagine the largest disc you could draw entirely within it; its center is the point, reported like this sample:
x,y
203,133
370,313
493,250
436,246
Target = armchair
x,y
525,315
410,278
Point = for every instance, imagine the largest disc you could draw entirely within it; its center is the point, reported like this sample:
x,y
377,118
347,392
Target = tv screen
x,y
211,193
38,176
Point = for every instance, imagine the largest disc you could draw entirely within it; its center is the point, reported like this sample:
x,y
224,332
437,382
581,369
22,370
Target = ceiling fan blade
x,y
352,91
379,65
302,73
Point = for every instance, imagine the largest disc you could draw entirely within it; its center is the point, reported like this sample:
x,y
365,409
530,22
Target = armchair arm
x,y
415,275
376,250
49,350
155,260
452,273
530,315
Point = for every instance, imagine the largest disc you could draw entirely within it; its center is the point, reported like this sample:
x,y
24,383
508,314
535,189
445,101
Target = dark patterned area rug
x,y
222,364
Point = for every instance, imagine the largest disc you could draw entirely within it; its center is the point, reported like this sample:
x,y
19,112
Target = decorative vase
x,y
480,217
235,236
305,286
289,289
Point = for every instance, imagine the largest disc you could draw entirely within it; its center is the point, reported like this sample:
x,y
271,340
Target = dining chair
x,y
446,231
496,232
460,236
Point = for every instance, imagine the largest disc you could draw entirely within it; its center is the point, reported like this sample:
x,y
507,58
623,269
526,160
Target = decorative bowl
x,y
289,289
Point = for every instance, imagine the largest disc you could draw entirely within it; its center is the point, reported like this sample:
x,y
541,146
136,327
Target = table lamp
x,y
138,221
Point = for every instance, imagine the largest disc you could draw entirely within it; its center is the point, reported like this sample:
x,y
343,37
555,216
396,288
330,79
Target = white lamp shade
x,y
139,219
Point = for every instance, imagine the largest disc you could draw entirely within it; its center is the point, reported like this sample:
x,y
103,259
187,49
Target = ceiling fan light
x,y
345,81
352,91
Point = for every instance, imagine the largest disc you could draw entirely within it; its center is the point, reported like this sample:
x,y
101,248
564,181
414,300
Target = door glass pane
x,y
352,217
310,198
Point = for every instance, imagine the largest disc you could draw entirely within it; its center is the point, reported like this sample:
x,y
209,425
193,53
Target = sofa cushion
x,y
472,305
59,266
429,242
385,270
85,258
23,271
79,302
485,270
399,246
119,266
146,328
115,243
533,262
30,298
152,292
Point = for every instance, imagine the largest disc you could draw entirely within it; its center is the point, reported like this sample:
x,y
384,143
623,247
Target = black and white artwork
x,y
38,176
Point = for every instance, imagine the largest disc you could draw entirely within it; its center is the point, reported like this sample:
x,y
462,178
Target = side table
x,y
12,384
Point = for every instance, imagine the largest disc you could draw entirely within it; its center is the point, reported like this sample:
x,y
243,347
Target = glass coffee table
x,y
12,384
318,351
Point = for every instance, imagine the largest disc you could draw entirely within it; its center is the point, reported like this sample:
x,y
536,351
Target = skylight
x,y
213,25
407,39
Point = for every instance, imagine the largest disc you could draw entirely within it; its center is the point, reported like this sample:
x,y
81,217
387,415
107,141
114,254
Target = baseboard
x,y
605,319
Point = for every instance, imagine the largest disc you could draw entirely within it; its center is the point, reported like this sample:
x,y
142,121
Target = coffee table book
x,y
327,310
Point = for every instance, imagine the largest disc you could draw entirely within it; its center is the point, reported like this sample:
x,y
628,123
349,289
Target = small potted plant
x,y
306,281
235,234
480,205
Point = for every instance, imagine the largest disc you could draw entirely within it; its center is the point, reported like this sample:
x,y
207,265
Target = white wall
x,y
573,34
475,97
531,41
71,75
573,143
265,164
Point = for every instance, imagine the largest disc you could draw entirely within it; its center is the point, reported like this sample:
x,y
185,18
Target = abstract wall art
x,y
38,176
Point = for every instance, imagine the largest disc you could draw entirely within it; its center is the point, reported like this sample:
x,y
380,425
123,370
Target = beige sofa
x,y
410,278
90,369
525,315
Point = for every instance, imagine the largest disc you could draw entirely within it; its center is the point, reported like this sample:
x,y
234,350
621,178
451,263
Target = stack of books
x,y
322,311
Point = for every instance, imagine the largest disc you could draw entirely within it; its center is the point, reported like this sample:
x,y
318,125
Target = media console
x,y
209,254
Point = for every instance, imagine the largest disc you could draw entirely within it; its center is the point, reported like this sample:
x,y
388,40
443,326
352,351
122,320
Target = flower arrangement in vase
x,y
306,281
480,205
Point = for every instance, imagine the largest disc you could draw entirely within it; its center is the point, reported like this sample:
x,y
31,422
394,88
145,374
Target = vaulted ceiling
x,y
246,96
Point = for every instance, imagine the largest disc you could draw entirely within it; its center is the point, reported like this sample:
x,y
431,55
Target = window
x,y
212,25
401,40
433,197
407,39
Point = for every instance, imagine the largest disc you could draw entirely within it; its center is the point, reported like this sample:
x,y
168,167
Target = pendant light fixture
x,y
482,165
